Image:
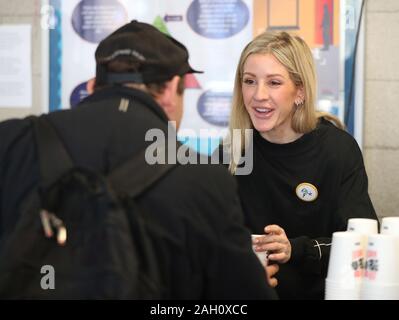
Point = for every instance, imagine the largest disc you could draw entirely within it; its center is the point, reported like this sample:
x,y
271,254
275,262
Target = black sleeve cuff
x,y
298,249
309,255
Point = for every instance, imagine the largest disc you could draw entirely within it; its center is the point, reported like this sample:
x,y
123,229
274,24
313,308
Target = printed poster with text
x,y
214,31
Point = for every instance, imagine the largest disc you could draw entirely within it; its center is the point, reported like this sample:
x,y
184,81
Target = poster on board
x,y
215,32
15,66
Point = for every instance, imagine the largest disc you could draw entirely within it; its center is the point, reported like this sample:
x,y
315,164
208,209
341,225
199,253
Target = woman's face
x,y
269,95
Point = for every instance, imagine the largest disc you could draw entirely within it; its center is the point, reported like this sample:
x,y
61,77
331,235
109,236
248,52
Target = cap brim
x,y
195,71
187,69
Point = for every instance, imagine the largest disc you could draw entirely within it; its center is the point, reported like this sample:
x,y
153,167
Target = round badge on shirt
x,y
306,192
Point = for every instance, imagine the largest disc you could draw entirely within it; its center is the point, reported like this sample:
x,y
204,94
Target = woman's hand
x,y
275,241
271,271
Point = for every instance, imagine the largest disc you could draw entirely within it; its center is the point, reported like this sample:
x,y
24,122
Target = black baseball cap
x,y
159,56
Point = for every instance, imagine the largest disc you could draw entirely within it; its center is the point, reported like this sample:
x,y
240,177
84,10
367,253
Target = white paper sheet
x,y
15,66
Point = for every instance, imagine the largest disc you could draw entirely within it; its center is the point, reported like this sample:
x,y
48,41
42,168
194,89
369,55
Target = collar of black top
x,y
159,56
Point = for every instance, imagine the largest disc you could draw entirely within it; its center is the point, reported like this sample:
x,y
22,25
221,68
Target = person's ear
x,y
300,97
90,85
167,99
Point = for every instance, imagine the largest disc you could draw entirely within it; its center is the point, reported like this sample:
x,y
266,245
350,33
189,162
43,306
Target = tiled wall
x,y
381,127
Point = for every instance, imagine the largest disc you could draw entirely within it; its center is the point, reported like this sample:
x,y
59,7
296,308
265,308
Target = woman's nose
x,y
261,92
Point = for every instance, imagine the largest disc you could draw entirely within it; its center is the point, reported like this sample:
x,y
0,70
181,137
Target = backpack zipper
x,y
50,221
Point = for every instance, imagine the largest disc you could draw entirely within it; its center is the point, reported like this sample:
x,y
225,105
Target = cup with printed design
x,y
381,277
262,255
345,267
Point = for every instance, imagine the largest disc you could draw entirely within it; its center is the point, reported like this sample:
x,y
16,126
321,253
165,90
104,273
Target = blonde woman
x,y
308,174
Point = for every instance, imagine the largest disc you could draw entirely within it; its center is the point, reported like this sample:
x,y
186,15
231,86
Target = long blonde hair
x,y
295,55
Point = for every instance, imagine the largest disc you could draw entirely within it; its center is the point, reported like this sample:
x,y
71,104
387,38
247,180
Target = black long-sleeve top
x,y
327,158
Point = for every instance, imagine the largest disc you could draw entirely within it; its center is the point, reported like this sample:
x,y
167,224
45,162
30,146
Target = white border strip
x,y
342,29
45,61
359,82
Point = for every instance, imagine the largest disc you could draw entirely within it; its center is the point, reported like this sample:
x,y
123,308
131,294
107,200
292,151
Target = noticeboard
x,y
215,32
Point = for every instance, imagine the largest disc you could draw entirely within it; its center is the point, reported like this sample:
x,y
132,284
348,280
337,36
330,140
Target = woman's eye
x,y
249,81
275,83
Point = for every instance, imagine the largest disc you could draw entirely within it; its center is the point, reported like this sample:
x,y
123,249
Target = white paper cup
x,y
381,278
379,292
342,294
345,268
342,291
390,225
382,260
346,259
262,256
363,226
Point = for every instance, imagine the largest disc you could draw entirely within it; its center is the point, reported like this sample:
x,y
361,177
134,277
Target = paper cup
x,y
262,256
382,260
363,226
381,277
345,268
390,225
346,258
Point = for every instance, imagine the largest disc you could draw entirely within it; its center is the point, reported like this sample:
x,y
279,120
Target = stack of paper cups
x,y
345,267
381,279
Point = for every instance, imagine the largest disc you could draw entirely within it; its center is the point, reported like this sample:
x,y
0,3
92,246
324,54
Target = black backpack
x,y
80,235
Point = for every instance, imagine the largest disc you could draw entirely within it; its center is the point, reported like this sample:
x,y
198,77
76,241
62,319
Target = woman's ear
x,y
300,97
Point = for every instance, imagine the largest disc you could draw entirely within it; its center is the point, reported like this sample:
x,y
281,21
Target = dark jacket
x,y
194,214
330,160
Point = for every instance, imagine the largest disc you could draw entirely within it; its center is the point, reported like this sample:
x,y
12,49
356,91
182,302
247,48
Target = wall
x,y
381,129
25,12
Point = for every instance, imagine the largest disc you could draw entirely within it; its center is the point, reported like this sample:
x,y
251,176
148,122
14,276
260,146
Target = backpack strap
x,y
135,176
132,178
54,160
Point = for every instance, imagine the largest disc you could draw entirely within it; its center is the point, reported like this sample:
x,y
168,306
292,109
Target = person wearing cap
x,y
204,250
